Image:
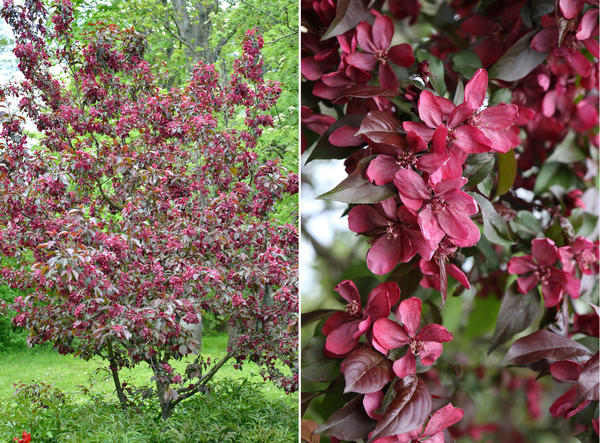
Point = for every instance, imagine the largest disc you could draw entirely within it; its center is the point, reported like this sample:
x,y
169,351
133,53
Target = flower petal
x,y
387,77
341,340
588,23
500,116
552,293
389,334
470,140
345,137
420,129
433,332
381,169
430,228
371,403
409,313
406,365
365,218
347,289
364,38
402,55
544,251
385,253
429,111
565,370
521,265
362,60
383,31
381,299
570,8
460,114
443,418
526,283
411,185
457,273
476,88
430,351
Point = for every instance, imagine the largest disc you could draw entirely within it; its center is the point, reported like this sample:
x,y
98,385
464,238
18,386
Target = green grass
x,y
239,407
67,372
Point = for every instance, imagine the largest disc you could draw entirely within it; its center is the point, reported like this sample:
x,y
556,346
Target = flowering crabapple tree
x,y
136,209
469,134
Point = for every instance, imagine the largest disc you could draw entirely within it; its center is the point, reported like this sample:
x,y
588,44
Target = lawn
x,y
240,406
67,372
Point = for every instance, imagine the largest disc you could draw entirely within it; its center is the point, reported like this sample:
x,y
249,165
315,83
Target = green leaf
x,y
567,151
459,94
503,95
525,225
518,61
495,227
554,174
485,187
316,367
466,63
436,67
325,150
478,167
357,189
507,171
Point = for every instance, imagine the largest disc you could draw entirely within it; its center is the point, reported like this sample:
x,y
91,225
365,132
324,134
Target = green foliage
x,y
225,25
12,338
230,412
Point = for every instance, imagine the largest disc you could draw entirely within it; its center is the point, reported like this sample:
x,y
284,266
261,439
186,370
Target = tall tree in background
x,y
140,207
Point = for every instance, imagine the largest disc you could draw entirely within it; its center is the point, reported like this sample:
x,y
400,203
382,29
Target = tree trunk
x,y
115,375
164,400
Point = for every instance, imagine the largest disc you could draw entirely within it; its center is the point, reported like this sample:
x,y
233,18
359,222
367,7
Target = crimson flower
x,y
433,432
425,342
463,126
444,210
381,169
375,41
568,404
540,266
343,329
26,438
395,232
582,252
436,270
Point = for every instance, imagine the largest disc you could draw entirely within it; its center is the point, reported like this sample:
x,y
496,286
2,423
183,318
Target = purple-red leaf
x,y
381,127
349,423
357,189
348,14
588,383
544,345
367,91
366,371
517,313
409,409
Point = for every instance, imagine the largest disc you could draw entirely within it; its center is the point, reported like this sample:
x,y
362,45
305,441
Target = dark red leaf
x,y
349,423
366,91
588,383
366,371
517,313
356,188
348,14
409,410
543,345
381,127
325,150
309,317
